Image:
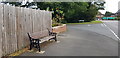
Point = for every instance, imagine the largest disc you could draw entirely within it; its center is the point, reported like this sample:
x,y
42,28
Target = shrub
x,y
56,24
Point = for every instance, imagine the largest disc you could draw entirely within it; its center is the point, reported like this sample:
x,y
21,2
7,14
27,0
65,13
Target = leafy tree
x,y
108,13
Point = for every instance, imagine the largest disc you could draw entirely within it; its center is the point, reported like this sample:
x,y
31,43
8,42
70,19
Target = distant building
x,y
118,13
109,18
112,16
99,16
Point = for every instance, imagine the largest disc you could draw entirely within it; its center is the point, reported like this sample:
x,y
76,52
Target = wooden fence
x,y
15,22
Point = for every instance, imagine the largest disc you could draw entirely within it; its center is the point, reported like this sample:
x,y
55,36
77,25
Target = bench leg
x,y
55,38
38,47
31,46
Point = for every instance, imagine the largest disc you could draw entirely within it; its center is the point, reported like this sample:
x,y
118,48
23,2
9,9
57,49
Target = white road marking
x,y
112,32
102,25
89,25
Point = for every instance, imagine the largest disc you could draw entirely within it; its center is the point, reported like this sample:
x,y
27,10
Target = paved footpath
x,y
82,40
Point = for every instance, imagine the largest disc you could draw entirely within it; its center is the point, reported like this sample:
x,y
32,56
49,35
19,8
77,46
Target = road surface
x,y
82,40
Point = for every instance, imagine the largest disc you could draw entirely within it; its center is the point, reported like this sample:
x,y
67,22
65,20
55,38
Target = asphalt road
x,y
82,40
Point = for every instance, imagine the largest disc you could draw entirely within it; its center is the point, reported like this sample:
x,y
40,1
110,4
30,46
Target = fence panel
x,y
15,22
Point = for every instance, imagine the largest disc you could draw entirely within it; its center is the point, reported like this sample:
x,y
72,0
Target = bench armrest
x,y
51,33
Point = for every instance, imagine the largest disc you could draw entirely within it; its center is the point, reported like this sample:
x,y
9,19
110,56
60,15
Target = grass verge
x,y
92,22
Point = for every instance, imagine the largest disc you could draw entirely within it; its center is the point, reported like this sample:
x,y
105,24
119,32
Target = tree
x,y
108,13
75,11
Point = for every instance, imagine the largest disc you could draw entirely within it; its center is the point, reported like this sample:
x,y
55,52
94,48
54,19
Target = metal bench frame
x,y
35,43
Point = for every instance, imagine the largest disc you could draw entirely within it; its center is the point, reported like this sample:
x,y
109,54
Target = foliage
x,y
57,14
118,18
71,11
108,13
56,24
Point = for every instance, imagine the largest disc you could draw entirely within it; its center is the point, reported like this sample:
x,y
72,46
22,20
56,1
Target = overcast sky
x,y
111,5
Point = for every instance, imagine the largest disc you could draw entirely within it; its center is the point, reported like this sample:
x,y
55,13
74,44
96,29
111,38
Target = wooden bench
x,y
39,37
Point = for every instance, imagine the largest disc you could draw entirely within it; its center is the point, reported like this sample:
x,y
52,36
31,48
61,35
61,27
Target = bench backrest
x,y
39,34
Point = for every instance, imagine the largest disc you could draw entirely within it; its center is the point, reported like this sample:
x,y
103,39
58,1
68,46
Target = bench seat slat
x,y
45,38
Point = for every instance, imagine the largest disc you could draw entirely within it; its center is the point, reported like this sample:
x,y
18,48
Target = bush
x,y
56,24
118,18
63,21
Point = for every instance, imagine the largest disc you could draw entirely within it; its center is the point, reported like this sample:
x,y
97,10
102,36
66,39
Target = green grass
x,y
92,22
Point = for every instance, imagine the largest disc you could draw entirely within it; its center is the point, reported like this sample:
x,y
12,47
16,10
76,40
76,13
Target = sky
x,y
111,6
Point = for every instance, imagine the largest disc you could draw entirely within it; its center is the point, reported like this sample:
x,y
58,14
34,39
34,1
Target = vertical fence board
x,y
14,28
26,24
6,43
34,26
22,26
11,38
18,27
31,19
1,27
39,19
32,13
35,21
42,20
50,20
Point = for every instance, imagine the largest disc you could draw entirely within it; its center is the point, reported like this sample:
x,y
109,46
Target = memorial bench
x,y
39,37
